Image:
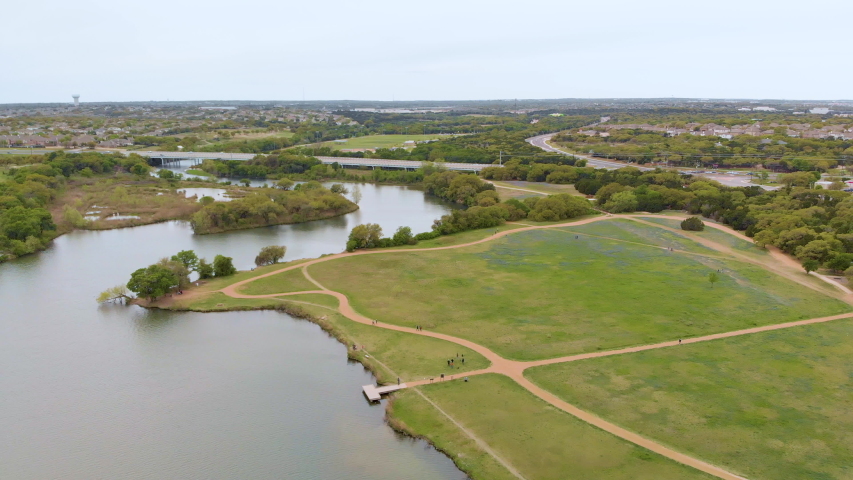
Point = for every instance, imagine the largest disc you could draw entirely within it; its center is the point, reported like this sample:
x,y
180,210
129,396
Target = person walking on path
x,y
679,341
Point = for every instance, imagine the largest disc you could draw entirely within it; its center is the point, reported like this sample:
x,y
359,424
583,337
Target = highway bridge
x,y
165,158
401,164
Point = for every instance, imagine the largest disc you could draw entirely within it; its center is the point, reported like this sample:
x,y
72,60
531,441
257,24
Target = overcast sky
x,y
108,50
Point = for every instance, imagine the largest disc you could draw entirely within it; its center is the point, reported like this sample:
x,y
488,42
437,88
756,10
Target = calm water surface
x,y
121,392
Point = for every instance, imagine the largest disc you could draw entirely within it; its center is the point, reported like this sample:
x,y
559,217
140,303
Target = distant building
x,y
819,111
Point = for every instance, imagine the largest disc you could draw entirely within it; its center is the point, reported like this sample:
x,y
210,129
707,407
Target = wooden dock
x,y
374,393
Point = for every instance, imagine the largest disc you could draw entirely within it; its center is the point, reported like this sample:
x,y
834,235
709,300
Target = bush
x,y
403,236
693,224
223,266
427,235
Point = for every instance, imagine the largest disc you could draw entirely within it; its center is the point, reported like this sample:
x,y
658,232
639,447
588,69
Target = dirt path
x,y
515,369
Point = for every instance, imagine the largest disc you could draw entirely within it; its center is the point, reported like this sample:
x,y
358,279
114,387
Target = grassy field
x,y
460,238
714,235
216,302
631,231
773,405
540,441
380,141
506,189
290,281
542,293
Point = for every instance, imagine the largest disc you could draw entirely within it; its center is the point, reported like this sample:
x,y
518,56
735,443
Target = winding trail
x,y
785,266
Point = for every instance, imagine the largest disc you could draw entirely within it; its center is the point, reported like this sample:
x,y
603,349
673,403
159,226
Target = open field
x,y
545,293
715,235
380,141
771,405
540,441
461,237
285,282
632,231
516,189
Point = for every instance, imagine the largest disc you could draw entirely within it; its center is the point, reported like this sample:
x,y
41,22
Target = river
x,y
122,392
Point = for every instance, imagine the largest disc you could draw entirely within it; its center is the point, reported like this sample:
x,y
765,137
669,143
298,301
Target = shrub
x,y
693,224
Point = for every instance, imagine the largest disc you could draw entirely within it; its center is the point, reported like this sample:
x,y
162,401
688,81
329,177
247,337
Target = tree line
x,y
307,202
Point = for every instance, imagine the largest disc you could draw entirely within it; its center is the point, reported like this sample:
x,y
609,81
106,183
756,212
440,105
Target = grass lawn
x,y
315,298
542,293
218,302
773,405
285,282
219,283
632,231
459,238
539,440
541,187
380,141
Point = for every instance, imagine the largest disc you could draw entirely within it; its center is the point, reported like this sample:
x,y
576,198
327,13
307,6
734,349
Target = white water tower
x,y
76,99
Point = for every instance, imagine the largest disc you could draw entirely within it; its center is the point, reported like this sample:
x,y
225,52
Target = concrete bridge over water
x,y
167,158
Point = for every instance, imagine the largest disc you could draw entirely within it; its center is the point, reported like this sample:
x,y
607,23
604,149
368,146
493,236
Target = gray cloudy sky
x,y
108,50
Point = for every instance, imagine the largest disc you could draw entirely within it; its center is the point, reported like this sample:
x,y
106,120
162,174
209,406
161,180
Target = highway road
x,y
407,164
542,141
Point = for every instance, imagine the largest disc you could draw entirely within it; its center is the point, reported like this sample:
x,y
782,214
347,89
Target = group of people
x,y
419,328
451,362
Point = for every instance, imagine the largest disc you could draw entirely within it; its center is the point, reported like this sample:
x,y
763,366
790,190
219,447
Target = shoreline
x,y
289,308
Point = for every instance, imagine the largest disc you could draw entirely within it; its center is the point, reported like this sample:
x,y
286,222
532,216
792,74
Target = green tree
x,y
20,222
811,265
223,266
182,273
205,270
112,294
152,282
339,189
140,169
206,200
270,255
403,236
285,184
713,278
364,236
188,258
166,174
356,194
622,202
246,182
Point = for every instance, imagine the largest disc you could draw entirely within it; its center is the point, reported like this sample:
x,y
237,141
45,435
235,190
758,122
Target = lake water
x,y
124,392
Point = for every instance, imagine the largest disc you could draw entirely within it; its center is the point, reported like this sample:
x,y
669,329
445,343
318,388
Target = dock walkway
x,y
374,393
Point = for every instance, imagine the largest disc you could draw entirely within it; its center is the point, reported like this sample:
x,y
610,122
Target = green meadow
x,y
771,405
